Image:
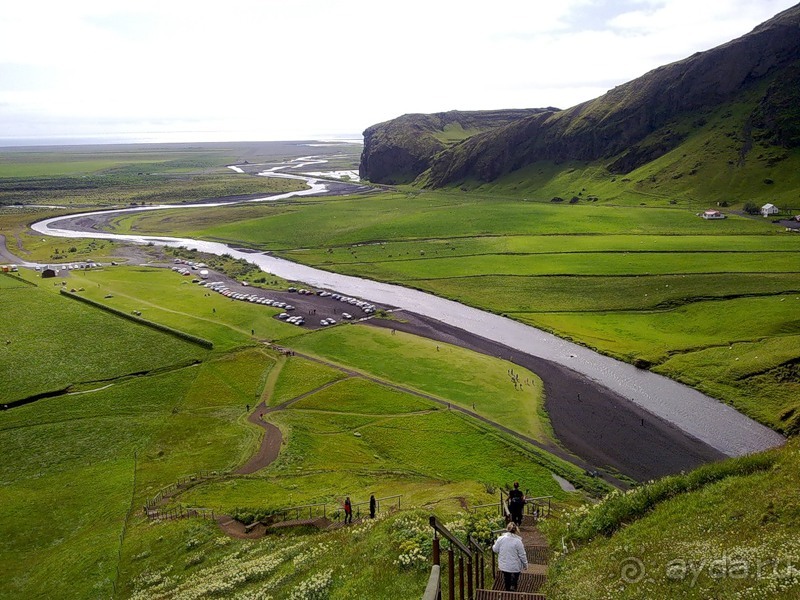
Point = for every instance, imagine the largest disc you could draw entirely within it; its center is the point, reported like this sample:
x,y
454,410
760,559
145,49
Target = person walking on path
x,y
516,503
348,511
511,558
372,505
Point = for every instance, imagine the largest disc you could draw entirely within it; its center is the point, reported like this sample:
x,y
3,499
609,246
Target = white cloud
x,y
290,68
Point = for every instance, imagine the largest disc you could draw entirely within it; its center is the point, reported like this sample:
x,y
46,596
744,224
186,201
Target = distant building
x,y
769,209
713,214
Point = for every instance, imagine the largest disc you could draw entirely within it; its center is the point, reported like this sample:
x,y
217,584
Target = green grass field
x,y
452,374
164,296
79,467
51,343
430,215
105,175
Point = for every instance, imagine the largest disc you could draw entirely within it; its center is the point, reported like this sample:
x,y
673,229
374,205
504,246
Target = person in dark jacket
x,y
372,505
516,503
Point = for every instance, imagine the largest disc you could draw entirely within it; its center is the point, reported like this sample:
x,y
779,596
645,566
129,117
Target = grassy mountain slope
x,y
719,160
726,118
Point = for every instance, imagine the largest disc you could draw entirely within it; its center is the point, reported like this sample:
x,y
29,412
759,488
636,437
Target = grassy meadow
x,y
79,466
106,175
51,343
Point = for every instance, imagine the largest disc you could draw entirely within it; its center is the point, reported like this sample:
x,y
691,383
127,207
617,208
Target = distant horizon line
x,y
191,138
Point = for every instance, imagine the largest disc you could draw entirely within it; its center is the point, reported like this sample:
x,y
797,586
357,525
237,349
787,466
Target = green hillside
x,y
723,531
714,165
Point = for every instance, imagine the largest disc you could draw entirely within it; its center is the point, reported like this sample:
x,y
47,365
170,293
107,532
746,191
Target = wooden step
x,y
501,595
319,522
529,583
538,555
340,524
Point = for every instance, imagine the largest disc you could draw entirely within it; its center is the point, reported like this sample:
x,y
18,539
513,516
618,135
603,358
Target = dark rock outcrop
x,y
397,151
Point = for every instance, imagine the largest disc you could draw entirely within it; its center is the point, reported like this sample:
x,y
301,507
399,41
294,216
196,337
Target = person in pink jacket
x,y
511,558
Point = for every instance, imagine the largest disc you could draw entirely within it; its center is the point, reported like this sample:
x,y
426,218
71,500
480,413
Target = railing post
x,y
469,579
461,576
451,573
436,550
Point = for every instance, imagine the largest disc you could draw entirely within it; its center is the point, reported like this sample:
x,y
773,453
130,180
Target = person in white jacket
x,y
511,558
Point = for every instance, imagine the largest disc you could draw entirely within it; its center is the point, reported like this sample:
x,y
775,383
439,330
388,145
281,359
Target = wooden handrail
x,y
441,529
433,588
504,506
379,500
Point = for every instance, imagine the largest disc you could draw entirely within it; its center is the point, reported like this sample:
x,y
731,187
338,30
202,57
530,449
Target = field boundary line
x,y
207,344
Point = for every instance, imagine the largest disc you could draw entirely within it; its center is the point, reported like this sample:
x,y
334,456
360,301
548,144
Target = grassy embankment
x,y
724,531
80,466
711,303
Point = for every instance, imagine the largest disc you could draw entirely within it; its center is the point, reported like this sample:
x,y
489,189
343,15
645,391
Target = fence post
x,y
436,550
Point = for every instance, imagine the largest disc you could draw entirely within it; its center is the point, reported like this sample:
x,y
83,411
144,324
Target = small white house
x,y
769,209
713,214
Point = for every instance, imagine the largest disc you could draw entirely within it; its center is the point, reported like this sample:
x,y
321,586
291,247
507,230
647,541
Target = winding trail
x,y
271,443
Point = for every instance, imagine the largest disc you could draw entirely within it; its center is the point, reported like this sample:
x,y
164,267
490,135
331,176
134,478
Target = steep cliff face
x,y
397,151
629,125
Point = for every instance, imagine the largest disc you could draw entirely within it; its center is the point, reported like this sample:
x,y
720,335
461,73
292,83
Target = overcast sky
x,y
293,69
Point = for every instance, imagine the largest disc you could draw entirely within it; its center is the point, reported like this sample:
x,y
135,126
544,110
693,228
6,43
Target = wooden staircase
x,y
532,580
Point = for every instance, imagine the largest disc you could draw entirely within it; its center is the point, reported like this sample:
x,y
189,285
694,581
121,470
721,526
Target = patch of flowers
x,y
257,594
412,534
316,587
479,526
309,555
224,579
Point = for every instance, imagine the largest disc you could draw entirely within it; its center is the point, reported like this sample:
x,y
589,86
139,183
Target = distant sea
x,y
164,138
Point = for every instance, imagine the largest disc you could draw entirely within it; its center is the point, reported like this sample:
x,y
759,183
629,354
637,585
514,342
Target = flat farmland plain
x,y
643,284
